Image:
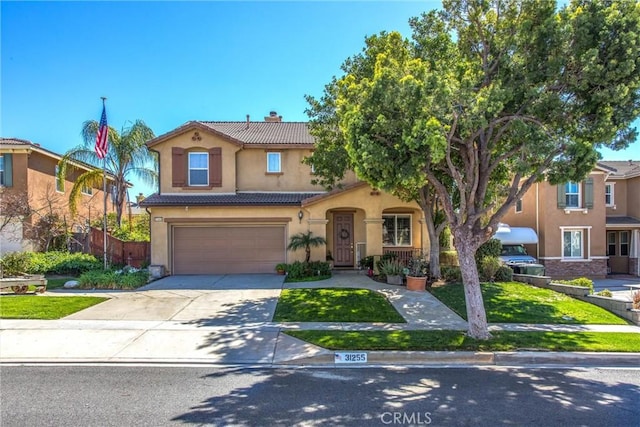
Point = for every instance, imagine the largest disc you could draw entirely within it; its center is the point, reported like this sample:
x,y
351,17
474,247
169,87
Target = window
x,y
572,244
1,170
87,190
611,243
396,230
608,194
59,180
519,206
198,169
624,243
572,194
273,163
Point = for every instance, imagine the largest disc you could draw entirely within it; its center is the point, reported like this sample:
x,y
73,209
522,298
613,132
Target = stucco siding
x,y
191,142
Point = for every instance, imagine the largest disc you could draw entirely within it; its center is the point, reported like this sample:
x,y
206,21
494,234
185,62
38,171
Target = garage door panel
x,y
227,250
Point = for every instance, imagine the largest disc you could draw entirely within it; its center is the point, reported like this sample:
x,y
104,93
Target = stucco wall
x,y
317,218
294,176
619,198
205,142
633,197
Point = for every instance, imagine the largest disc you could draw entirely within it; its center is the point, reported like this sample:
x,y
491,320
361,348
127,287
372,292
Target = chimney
x,y
247,127
273,117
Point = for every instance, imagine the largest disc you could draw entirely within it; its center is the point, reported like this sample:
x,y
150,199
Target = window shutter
x,y
562,196
178,167
8,170
588,193
215,167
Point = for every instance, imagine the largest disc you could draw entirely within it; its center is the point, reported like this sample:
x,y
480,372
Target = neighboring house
x,y
590,228
30,170
233,193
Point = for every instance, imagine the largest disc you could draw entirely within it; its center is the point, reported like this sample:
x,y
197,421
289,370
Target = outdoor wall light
x,y
158,218
300,215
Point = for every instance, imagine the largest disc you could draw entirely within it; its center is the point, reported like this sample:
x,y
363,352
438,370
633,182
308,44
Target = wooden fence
x,y
134,254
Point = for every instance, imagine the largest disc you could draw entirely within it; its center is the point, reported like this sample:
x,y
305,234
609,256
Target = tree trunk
x,y
476,315
434,255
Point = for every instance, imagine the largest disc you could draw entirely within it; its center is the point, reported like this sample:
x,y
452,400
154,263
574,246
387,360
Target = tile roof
x,y
238,199
16,141
622,168
264,132
622,220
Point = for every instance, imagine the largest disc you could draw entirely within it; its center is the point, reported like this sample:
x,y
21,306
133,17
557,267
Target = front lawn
x,y
334,305
458,341
43,307
513,302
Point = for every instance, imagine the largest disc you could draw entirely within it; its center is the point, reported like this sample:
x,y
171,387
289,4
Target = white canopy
x,y
516,235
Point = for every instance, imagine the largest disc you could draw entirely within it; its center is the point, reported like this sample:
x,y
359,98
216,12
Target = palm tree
x,y
306,241
127,157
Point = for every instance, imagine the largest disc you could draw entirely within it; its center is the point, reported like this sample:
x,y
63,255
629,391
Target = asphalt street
x,y
160,396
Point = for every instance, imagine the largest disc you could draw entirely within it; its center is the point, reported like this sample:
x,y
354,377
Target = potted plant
x,y
417,275
281,268
366,263
393,271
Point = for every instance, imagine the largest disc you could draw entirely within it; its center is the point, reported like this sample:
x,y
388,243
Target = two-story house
x,y
29,171
233,193
589,228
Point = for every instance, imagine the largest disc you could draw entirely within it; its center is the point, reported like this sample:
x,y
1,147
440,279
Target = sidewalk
x,y
184,329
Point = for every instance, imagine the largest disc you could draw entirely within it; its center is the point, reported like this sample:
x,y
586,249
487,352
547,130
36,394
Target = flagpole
x,y
104,191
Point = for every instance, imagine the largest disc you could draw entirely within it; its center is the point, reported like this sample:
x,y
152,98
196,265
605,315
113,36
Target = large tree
x,y
494,96
331,159
127,157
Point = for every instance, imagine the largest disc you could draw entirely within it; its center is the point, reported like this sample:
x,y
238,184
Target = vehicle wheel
x,y
22,289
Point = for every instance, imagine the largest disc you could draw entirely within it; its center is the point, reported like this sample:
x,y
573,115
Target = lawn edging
x,y
619,307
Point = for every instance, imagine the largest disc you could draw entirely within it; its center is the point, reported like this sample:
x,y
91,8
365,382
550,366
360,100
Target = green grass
x,y
334,305
43,307
458,341
56,282
513,302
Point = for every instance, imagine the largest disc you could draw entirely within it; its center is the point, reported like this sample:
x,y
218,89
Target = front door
x,y
343,239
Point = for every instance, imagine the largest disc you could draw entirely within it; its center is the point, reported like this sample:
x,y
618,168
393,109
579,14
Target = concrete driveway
x,y
204,300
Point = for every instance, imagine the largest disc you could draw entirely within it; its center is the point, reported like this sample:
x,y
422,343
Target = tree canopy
x,y
487,98
127,157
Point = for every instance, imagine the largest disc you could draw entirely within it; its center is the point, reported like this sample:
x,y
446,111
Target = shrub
x,y
15,264
367,262
490,248
445,239
390,268
580,281
504,274
302,270
449,258
128,278
489,266
63,263
451,274
605,293
635,299
133,280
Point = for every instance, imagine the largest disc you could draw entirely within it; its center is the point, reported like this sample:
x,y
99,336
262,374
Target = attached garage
x,y
228,249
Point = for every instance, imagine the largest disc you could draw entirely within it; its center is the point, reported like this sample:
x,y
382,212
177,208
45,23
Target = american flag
x,y
103,133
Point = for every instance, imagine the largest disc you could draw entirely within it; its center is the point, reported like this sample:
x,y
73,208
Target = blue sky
x,y
170,62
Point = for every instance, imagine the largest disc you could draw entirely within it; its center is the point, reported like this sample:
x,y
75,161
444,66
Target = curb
x,y
463,358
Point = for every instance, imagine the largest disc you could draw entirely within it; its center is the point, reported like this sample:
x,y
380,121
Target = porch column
x,y
319,228
374,235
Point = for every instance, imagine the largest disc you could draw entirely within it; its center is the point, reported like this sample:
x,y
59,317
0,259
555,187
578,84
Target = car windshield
x,y
513,250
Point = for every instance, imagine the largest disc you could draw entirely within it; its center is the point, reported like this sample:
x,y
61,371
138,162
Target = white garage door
x,y
227,250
